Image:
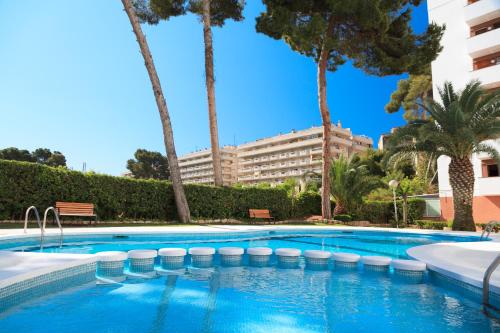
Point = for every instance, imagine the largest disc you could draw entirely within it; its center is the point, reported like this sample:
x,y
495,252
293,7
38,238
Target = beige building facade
x,y
273,159
197,167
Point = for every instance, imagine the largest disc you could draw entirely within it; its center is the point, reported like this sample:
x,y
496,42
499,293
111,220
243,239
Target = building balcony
x,y
487,71
477,12
484,44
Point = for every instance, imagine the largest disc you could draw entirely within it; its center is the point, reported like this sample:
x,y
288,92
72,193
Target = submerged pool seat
x,y
202,256
172,257
259,256
317,258
343,259
231,256
411,269
142,262
288,257
110,265
376,263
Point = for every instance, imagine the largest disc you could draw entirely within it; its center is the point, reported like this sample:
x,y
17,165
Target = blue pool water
x,y
251,299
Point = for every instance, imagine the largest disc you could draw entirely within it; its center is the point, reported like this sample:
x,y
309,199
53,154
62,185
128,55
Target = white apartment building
x,y
274,159
471,50
197,167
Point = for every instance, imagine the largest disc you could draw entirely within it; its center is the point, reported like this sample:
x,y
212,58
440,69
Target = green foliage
x,y
373,161
343,217
382,212
290,185
459,127
375,35
350,182
307,203
40,155
24,184
378,212
152,11
411,94
416,209
430,224
149,165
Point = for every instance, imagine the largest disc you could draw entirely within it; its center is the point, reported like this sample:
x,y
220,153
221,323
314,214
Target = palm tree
x,y
168,135
350,182
460,126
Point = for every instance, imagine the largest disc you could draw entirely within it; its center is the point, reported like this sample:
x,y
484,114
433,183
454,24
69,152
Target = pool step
x,y
141,263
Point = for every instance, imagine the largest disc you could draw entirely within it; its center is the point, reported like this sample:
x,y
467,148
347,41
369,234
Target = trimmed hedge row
x,y
431,224
307,204
24,184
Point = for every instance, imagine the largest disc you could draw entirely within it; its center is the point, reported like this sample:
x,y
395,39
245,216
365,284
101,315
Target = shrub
x,y
307,204
382,212
343,217
430,224
379,212
495,229
23,184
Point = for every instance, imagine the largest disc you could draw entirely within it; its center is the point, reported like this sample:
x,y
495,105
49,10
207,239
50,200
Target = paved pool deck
x,y
465,262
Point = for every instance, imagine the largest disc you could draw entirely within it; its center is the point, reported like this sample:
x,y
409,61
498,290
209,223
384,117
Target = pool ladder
x,y
486,281
488,229
42,225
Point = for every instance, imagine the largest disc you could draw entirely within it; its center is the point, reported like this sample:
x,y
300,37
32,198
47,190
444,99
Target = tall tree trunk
x,y
209,77
461,175
168,135
326,210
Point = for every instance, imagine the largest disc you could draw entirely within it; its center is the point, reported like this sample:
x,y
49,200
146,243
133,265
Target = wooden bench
x,y
260,214
76,209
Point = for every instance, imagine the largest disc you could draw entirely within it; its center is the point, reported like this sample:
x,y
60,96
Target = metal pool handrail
x,y
488,228
486,280
57,220
37,216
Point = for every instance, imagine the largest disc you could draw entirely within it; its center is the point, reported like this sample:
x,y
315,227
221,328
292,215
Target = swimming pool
x,y
255,299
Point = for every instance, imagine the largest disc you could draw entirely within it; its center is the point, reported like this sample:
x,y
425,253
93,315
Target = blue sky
x,y
72,79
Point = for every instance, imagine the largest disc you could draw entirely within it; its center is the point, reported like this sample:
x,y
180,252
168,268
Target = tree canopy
x,y
376,35
152,11
40,155
410,94
149,164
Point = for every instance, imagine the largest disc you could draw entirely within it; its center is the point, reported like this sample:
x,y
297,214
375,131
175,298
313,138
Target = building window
x,y
490,168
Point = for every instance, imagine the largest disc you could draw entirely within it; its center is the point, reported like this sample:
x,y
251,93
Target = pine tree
x,y
375,35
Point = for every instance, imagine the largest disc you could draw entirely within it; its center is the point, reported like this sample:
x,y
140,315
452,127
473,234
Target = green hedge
x,y
343,217
307,204
382,212
24,184
431,224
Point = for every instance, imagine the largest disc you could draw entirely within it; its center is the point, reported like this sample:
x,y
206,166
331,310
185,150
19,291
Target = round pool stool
x,y
259,256
410,268
172,257
376,263
142,261
317,258
231,256
202,256
343,259
110,266
288,257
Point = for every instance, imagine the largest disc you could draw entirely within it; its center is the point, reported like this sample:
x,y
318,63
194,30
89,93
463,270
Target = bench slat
x,y
75,208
